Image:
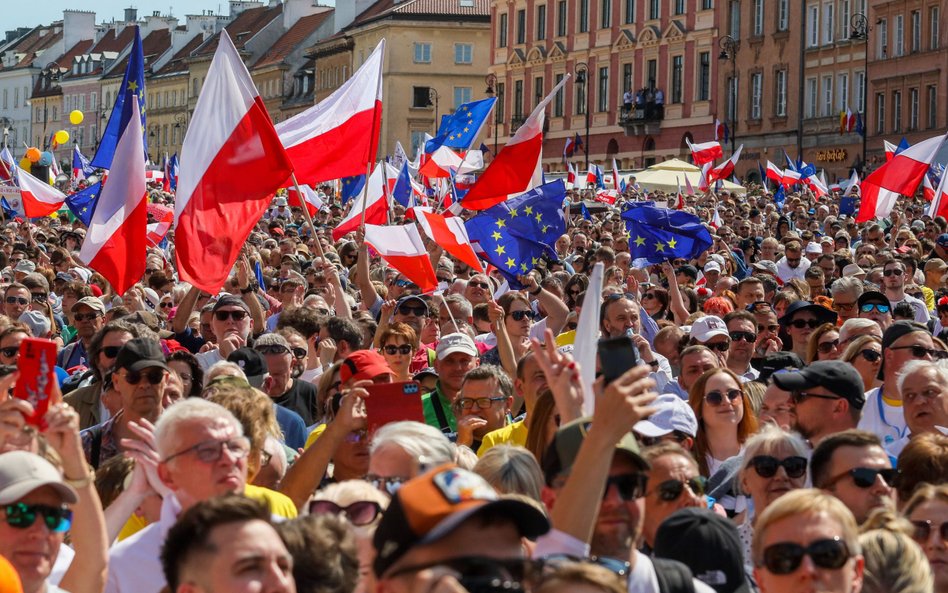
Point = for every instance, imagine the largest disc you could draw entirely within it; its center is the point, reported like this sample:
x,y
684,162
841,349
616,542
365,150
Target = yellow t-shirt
x,y
512,434
317,432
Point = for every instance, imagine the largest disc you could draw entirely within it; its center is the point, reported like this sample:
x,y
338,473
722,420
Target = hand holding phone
x,y
616,356
37,377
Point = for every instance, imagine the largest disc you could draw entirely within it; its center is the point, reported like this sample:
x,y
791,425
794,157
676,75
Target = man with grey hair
x,y
283,389
483,404
402,450
202,453
859,326
846,292
923,386
457,308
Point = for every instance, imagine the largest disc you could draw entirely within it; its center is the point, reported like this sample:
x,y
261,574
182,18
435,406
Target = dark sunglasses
x,y
786,557
719,346
888,273
111,351
12,300
272,349
39,297
670,490
392,350
799,397
648,295
865,477
22,516
362,512
630,486
919,351
85,316
166,305
409,310
520,315
770,328
801,323
827,347
716,398
237,315
870,355
481,285
152,270
298,352
153,375
924,528
10,351
737,336
766,466
868,307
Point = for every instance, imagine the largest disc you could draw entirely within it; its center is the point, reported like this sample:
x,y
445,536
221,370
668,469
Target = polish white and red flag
x,y
310,198
716,221
705,152
774,173
232,162
852,185
725,169
679,203
39,198
899,177
615,175
570,175
163,218
718,130
7,165
688,187
517,167
928,191
339,136
704,183
889,150
402,247
939,205
450,233
443,163
115,243
790,178
370,205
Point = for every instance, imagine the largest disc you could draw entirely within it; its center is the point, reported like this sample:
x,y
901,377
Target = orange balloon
x,y
33,154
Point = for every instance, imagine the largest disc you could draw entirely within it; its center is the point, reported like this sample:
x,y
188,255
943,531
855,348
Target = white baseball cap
x,y
672,413
707,327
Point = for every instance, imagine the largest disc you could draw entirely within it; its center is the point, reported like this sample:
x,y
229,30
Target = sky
x,y
28,14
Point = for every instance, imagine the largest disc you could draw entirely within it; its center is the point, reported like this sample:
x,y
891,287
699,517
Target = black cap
x,y
777,361
252,363
835,376
713,551
874,297
822,314
893,333
140,353
229,300
688,270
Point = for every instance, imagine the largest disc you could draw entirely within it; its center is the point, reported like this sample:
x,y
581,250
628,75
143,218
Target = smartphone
x,y
37,367
393,402
616,356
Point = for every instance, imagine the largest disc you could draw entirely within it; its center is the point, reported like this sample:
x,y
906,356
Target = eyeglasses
x,y
236,315
895,272
924,528
827,347
272,349
22,516
670,490
843,306
153,375
10,351
387,484
299,353
166,305
772,328
719,346
85,316
786,557
716,398
870,355
737,336
801,323
362,512
410,310
152,270
392,350
918,351
766,466
648,295
798,397
630,486
211,451
868,307
12,300
793,262
865,477
481,285
520,315
484,403
110,351
39,297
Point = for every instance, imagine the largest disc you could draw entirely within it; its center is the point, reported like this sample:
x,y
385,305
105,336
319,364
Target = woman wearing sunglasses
x,y
774,463
399,341
725,420
865,354
927,510
823,343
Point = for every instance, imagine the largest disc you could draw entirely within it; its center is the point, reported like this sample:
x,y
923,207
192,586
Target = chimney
x,y
131,15
77,26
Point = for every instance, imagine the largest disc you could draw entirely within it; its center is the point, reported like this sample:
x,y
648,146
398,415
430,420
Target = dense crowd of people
x,y
786,428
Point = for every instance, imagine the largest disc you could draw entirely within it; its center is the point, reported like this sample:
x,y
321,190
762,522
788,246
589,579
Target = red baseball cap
x,y
363,364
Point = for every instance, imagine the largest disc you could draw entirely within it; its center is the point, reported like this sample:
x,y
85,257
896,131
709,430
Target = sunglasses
x,y
152,270
786,557
737,336
10,351
919,351
409,310
166,305
12,300
298,352
154,375
272,349
719,346
481,285
520,315
870,355
889,273
630,486
670,490
827,347
236,315
865,477
648,295
766,466
22,516
798,397
716,398
85,316
362,512
389,485
392,350
111,351
924,528
773,328
39,297
801,323
868,307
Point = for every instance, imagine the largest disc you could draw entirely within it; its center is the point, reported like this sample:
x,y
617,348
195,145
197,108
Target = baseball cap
x,y
935,264
942,240
151,298
25,266
456,342
92,302
252,363
412,297
766,266
688,270
853,270
707,327
560,455
38,323
776,362
64,277
671,413
229,300
22,472
872,296
899,329
823,315
432,505
712,266
363,364
835,376
714,552
140,353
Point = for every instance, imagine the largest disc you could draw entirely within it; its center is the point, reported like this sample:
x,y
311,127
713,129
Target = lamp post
x,y
582,71
6,124
491,80
48,75
100,131
433,97
860,30
729,47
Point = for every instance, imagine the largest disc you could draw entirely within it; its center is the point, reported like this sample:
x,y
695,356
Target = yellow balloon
x,y
75,117
62,137
54,215
26,164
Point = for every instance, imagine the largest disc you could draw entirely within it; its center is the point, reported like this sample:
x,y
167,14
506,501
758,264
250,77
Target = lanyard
x,y
901,432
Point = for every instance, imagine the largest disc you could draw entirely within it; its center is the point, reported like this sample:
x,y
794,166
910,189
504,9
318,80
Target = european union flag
x,y
903,145
780,196
585,211
658,234
351,186
847,205
133,85
402,191
82,203
860,128
515,234
460,129
173,172
80,164
258,274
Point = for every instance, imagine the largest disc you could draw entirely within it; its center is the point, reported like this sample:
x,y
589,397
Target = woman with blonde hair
x,y
823,343
725,420
927,510
864,353
511,470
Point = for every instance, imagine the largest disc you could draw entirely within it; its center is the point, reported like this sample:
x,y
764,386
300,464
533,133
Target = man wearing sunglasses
x,y
232,324
875,306
711,332
742,330
826,397
16,300
283,389
88,315
479,289
853,467
792,264
893,282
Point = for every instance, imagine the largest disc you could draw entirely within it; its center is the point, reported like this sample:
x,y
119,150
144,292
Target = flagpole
x,y
306,215
451,315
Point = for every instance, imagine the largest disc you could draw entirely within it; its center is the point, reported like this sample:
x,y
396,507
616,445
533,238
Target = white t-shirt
x,y
880,418
921,309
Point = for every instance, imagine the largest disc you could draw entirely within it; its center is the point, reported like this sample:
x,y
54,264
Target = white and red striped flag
x,y
889,150
774,173
705,152
570,175
899,177
724,170
310,198
450,233
164,218
852,185
939,205
928,191
615,175
39,198
376,205
232,162
679,197
402,247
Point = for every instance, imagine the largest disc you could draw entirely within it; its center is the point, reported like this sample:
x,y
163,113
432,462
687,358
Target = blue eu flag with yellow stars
x,y
133,85
514,235
460,129
82,203
657,235
351,186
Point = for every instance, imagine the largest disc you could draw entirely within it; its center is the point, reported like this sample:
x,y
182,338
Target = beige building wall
x,y
168,116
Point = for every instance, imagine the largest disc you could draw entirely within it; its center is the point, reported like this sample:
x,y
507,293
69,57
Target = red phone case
x,y
392,402
36,365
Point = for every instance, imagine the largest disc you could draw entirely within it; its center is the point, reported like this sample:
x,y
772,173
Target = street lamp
x,y
582,71
729,47
433,97
491,80
6,125
860,30
48,75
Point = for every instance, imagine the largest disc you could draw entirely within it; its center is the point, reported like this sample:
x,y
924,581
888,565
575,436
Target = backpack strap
x,y
673,576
